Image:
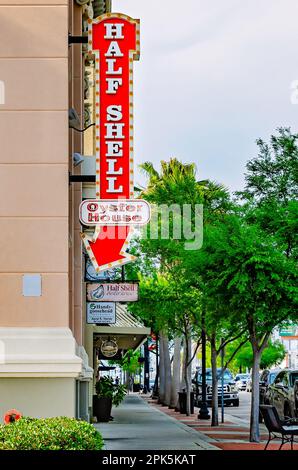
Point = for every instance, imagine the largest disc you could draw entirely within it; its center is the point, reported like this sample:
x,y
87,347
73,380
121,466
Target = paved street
x,y
243,411
137,425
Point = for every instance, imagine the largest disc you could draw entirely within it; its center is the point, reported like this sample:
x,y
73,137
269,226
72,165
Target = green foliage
x,y
119,394
175,188
130,361
244,271
168,300
106,388
49,434
272,188
243,281
177,184
273,174
272,355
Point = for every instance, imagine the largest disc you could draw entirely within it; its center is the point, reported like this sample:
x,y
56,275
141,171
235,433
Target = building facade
x,y
288,335
47,352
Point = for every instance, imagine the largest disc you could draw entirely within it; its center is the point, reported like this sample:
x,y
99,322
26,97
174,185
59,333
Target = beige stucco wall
x,y
39,228
34,232
40,397
30,310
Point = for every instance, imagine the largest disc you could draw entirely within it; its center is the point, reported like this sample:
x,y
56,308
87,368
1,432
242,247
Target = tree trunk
x,y
176,373
255,397
161,395
126,380
182,383
155,386
214,420
167,370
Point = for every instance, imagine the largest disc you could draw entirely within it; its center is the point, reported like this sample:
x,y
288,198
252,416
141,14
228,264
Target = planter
x,y
136,387
102,407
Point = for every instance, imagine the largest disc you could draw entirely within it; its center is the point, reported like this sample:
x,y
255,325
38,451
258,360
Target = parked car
x,y
296,396
241,381
230,392
267,378
281,393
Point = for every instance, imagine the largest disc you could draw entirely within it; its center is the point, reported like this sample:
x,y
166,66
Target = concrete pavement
x,y
138,426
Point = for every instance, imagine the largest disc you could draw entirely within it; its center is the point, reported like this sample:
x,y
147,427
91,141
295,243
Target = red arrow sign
x,y
114,41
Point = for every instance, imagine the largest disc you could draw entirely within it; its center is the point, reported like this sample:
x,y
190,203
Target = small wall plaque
x,y
32,285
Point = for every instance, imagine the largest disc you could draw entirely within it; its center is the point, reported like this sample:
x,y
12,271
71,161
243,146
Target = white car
x,y
241,381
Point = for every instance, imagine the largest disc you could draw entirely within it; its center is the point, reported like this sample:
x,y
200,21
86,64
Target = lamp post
x,y
222,355
203,413
155,387
146,368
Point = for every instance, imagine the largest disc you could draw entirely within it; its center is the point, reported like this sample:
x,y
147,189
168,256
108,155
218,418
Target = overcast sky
x,y
214,75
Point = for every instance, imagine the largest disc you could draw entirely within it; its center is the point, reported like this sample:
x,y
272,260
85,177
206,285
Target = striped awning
x,y
128,331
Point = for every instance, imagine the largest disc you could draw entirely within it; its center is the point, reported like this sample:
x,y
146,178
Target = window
x,y
279,378
293,378
286,380
272,377
264,376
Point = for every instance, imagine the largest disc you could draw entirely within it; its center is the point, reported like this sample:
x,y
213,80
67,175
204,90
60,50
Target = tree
x,y
257,284
273,174
271,204
153,309
168,309
272,187
217,345
129,364
176,378
221,325
177,184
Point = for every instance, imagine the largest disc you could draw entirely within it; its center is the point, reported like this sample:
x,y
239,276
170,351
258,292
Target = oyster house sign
x,y
113,292
114,41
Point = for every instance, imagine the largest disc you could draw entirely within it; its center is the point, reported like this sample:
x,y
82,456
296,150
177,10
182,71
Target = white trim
x,y
38,352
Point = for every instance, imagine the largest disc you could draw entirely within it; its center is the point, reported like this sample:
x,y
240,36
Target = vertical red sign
x,y
114,41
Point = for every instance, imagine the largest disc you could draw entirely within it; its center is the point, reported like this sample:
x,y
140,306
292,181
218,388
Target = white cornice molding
x,y
38,352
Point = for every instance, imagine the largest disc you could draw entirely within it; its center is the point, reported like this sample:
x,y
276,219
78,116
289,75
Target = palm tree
x,y
177,183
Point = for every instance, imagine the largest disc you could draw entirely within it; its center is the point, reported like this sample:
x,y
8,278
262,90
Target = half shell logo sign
x,y
114,40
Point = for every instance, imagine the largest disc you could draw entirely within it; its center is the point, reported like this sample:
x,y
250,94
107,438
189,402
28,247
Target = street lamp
x,y
146,368
203,413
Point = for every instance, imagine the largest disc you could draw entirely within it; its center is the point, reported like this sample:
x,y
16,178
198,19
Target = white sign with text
x,y
113,292
114,212
101,313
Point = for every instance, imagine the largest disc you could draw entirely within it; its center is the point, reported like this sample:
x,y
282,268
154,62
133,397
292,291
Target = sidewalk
x,y
232,435
139,426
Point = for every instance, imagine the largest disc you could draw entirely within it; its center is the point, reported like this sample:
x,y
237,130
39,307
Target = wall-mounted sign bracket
x,y
77,39
82,178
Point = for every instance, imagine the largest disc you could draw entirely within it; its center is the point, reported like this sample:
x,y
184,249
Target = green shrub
x,y
49,434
